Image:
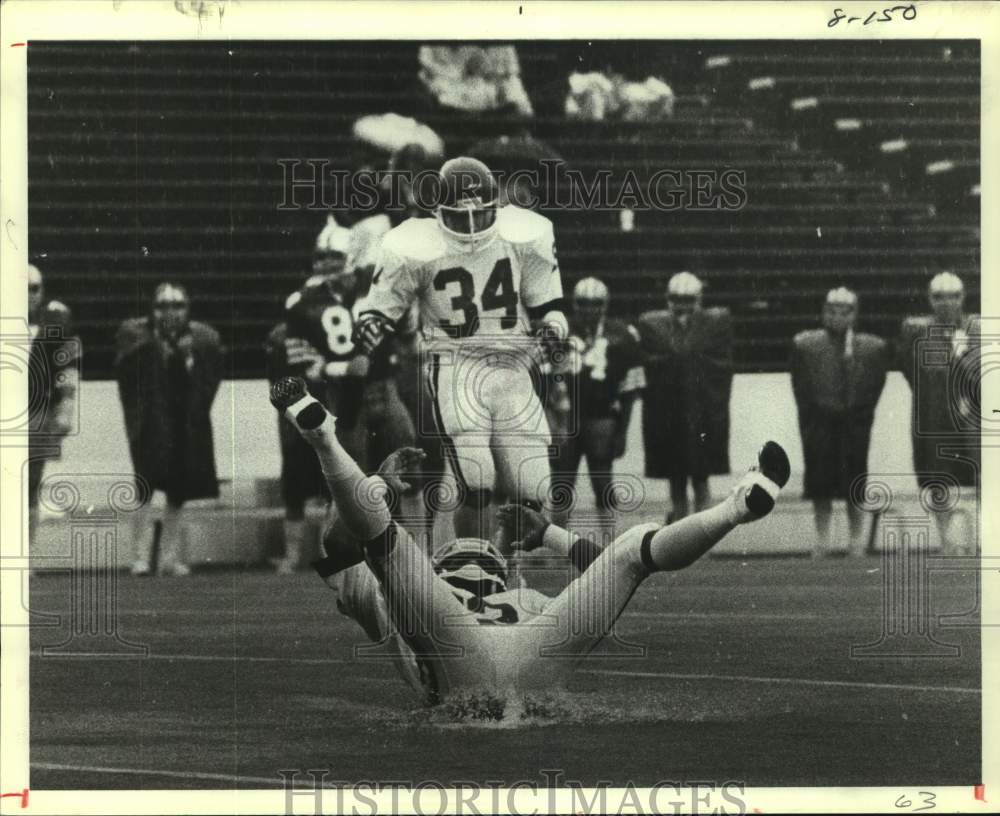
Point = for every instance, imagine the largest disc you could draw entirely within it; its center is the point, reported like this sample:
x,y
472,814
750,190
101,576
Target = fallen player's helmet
x,y
473,566
468,200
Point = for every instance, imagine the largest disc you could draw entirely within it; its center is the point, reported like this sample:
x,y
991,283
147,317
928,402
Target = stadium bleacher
x,y
156,160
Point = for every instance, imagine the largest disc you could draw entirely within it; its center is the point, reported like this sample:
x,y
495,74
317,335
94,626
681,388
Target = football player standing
x,y
485,277
603,375
314,342
54,359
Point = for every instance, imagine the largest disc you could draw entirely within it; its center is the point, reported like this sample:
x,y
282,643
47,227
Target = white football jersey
x,y
473,295
365,238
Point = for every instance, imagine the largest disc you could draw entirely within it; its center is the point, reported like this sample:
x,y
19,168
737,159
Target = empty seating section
x,y
153,161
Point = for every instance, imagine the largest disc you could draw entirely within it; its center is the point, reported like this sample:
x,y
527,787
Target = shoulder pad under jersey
x,y
805,338
364,237
717,313
416,239
519,226
870,342
203,333
56,313
915,324
654,317
618,330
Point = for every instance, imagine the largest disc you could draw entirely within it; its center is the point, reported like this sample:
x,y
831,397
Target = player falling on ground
x,y
450,620
314,341
482,274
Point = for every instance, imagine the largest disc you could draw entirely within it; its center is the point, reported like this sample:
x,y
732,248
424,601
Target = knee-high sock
x,y
360,499
143,535
684,542
171,537
295,536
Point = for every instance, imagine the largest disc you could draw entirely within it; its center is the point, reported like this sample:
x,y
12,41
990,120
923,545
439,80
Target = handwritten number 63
x,y
928,803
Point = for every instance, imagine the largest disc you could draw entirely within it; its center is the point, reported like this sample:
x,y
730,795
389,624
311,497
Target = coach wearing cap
x,y
687,353
837,376
938,355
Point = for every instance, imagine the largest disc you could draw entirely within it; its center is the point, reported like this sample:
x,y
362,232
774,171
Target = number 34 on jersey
x,y
472,296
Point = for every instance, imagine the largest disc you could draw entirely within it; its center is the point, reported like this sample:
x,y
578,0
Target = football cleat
x,y
291,397
762,484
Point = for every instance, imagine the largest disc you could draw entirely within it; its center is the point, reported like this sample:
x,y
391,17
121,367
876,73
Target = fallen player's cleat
x,y
764,481
290,396
287,391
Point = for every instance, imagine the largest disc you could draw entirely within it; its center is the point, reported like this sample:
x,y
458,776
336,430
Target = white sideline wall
x,y
246,449
246,436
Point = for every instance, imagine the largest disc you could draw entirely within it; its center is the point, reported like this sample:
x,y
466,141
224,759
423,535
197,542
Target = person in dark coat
x,y
53,362
939,356
688,360
169,368
837,378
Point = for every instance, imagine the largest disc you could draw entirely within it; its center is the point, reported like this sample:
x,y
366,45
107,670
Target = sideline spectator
x,y
939,356
837,378
169,368
475,78
53,362
595,97
603,376
688,357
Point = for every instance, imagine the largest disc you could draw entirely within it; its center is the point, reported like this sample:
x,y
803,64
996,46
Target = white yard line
x,y
801,681
737,678
275,781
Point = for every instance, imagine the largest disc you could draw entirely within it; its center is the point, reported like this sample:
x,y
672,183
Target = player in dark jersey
x,y
598,380
314,342
54,359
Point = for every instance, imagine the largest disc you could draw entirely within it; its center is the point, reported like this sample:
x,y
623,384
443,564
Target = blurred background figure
x,y
376,137
474,78
688,358
595,96
939,356
168,369
54,362
837,377
601,377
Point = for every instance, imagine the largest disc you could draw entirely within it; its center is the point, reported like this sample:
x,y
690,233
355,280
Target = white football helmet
x,y
468,206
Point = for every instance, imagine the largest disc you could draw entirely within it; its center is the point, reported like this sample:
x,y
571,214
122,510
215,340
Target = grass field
x,y
747,676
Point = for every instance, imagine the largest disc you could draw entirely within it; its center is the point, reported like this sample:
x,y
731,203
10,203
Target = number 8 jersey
x,y
473,294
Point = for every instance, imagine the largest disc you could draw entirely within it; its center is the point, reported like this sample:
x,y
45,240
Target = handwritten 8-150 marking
x,y
909,13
